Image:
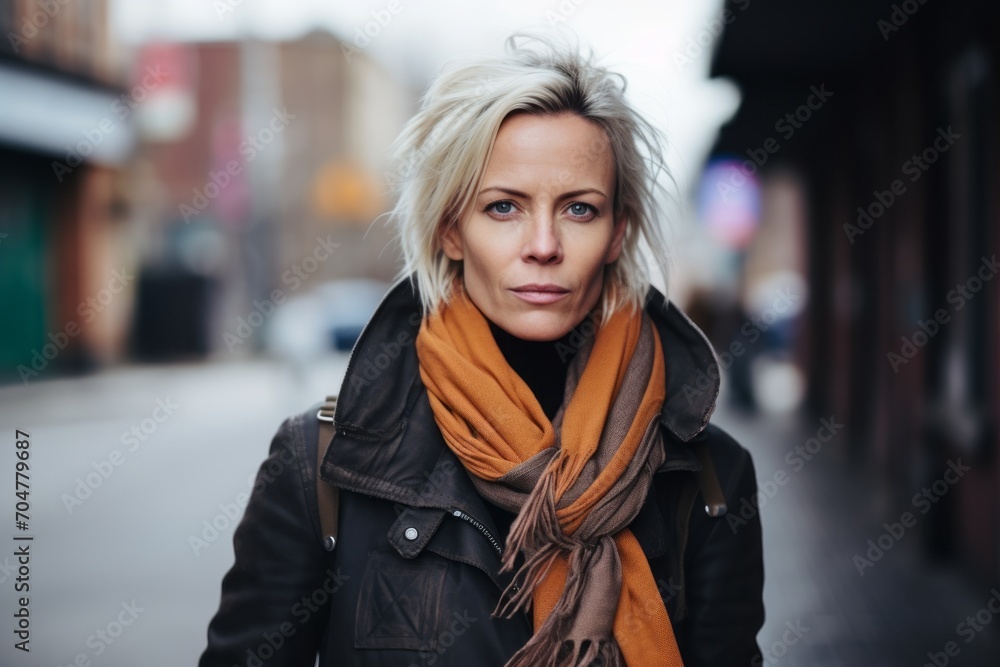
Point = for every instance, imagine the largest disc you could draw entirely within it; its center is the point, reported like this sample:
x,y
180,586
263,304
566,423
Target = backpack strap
x,y
327,495
708,482
705,481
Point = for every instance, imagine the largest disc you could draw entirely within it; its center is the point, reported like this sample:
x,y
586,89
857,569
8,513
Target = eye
x,y
503,208
581,210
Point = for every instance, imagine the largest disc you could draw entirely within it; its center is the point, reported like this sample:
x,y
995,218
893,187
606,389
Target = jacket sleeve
x,y
267,609
724,565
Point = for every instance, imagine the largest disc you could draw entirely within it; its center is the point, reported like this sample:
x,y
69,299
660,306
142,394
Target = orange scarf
x,y
492,421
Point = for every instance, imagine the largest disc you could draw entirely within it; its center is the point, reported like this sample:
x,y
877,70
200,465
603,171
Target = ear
x,y
615,248
451,242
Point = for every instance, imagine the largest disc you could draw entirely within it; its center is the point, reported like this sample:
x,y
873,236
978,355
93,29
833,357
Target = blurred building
x,y
248,194
886,121
65,131
155,199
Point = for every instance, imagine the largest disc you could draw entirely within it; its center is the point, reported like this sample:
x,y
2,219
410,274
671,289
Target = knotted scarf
x,y
575,483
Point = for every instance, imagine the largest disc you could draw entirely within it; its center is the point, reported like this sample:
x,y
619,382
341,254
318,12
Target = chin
x,y
526,329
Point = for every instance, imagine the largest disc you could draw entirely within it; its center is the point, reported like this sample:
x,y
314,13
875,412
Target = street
x,y
126,468
137,478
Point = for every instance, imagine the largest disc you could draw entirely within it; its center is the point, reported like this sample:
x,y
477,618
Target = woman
x,y
518,431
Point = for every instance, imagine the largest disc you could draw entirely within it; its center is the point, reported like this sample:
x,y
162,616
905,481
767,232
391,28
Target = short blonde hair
x,y
442,153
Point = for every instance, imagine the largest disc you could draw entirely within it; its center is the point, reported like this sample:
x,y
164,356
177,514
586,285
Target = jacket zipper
x,y
482,529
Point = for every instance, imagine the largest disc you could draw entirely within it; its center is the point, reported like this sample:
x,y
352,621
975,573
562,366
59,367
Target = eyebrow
x,y
518,193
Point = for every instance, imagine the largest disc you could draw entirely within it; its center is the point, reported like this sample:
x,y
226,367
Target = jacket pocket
x,y
399,603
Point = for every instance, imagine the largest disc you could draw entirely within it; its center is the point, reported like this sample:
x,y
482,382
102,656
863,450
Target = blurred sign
x,y
343,190
163,91
729,201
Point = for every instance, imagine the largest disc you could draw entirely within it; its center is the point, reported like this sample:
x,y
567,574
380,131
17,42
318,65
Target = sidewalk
x,y
820,611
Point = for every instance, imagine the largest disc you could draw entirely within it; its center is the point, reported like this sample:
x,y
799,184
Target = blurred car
x,y
347,305
330,317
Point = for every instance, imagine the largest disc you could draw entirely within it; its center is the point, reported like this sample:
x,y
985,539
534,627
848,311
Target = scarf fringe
x,y
537,524
547,647
569,653
537,533
520,591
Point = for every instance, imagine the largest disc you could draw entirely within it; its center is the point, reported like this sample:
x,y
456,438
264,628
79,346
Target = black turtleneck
x,y
543,366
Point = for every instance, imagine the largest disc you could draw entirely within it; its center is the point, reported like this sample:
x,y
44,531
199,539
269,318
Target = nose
x,y
542,243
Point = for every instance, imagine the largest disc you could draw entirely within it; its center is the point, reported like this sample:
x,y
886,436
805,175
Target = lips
x,y
540,294
537,287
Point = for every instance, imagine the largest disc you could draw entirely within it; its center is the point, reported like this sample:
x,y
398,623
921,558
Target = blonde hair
x,y
443,151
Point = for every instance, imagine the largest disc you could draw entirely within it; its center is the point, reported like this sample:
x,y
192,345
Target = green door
x,y
23,264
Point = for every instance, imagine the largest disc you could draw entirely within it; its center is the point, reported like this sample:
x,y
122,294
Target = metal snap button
x,y
411,534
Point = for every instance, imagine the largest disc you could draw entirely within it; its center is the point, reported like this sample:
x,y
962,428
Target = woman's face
x,y
542,217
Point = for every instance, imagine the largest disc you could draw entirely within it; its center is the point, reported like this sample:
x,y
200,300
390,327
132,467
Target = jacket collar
x,y
387,443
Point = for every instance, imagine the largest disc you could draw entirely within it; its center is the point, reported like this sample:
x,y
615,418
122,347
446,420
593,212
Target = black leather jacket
x,y
415,576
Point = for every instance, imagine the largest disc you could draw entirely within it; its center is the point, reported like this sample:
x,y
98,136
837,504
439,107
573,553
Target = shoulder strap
x,y
327,495
708,482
